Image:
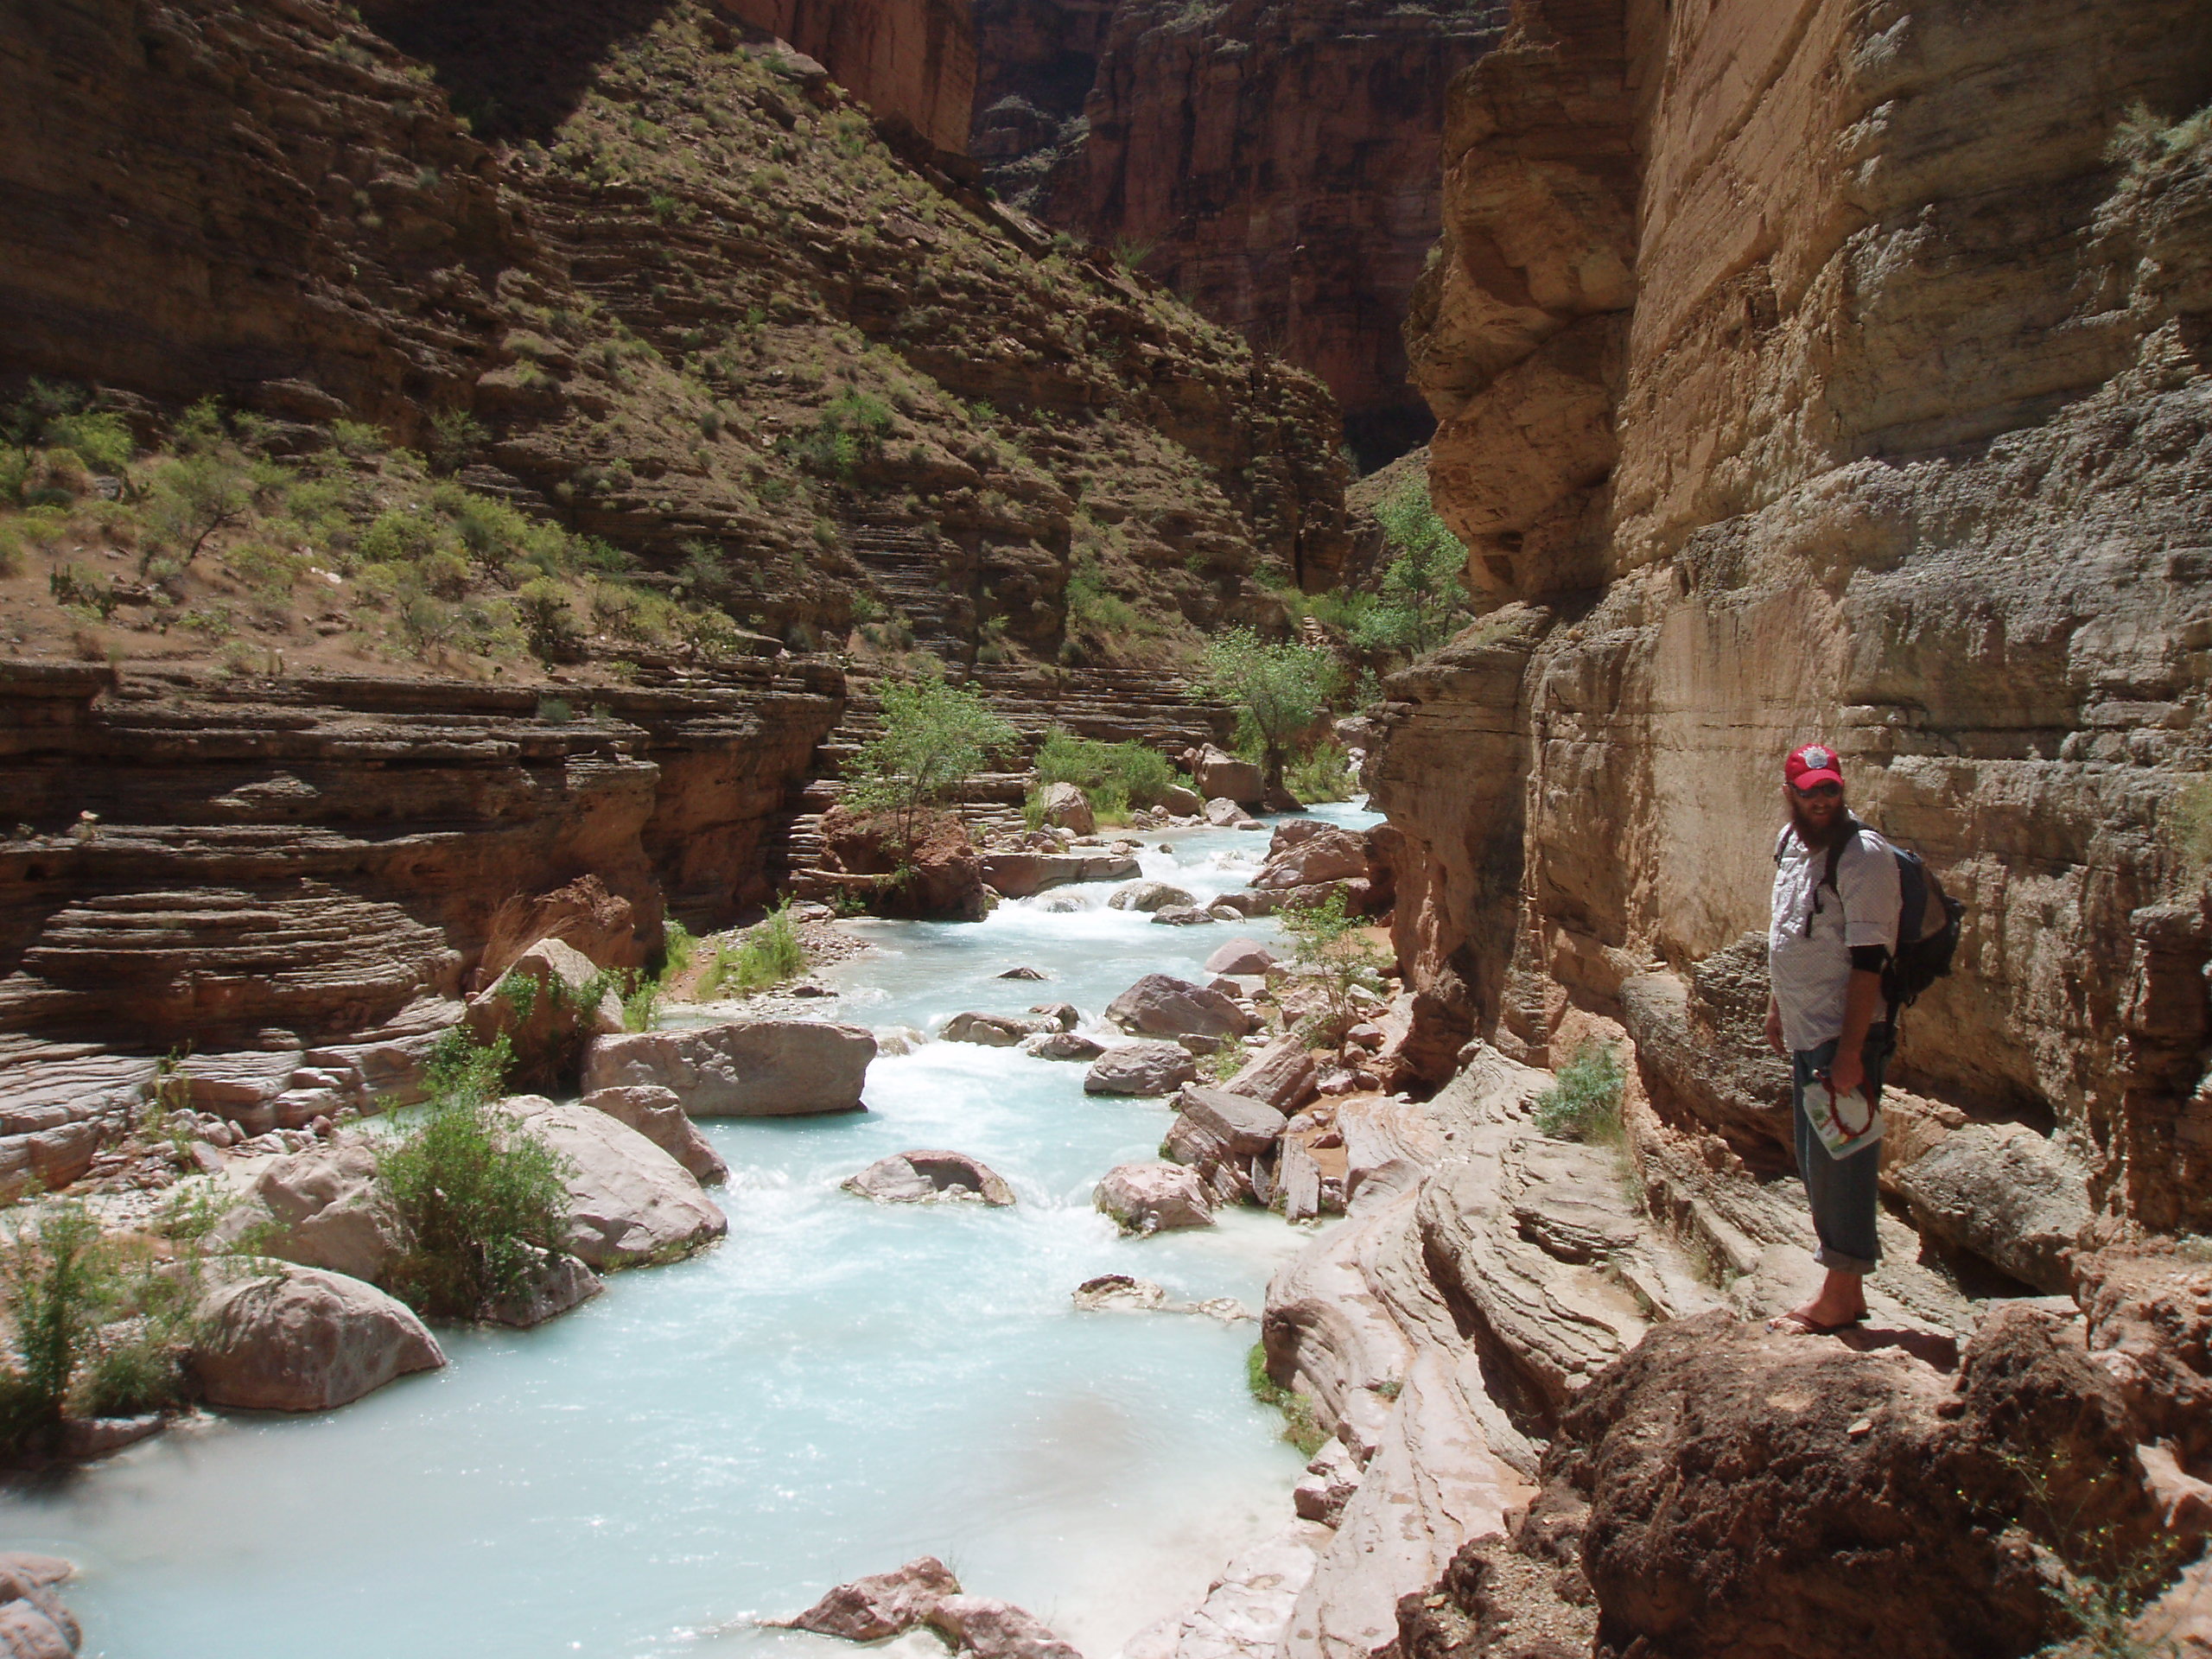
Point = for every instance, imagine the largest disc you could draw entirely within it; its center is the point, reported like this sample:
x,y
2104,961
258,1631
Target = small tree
x,y
1328,936
935,738
1423,593
481,1199
1279,690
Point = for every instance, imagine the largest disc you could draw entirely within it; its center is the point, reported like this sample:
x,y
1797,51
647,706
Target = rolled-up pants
x,y
1844,1192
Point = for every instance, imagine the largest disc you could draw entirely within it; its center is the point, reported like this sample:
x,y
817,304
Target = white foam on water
x,y
838,1388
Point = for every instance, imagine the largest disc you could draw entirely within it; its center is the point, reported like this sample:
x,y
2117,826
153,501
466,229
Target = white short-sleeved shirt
x,y
1811,975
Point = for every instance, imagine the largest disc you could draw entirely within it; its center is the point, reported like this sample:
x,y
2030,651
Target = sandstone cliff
x,y
1815,370
1274,164
302,858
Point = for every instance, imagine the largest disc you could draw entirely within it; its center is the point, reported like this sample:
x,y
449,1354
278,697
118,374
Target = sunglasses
x,y
1817,792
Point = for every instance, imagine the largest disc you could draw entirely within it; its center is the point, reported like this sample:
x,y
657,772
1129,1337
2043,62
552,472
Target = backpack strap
x,y
1849,834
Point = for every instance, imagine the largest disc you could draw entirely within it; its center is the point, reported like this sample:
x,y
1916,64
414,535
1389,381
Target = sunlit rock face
x,y
1814,371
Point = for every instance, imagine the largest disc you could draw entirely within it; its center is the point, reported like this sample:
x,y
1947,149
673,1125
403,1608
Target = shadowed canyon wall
x,y
1275,165
1832,370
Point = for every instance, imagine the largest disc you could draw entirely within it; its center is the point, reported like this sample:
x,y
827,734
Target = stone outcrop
x,y
321,1209
658,1115
35,1623
743,1068
630,1203
1018,875
1190,138
1894,1501
882,1604
1148,1198
1143,1069
549,1004
2005,1193
246,879
934,872
300,1340
1159,1005
931,1177
1766,421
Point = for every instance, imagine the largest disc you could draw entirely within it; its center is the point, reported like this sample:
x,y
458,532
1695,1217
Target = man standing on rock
x,y
1834,929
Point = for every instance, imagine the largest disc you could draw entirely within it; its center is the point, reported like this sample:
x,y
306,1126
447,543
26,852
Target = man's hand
x,y
1847,1071
1774,1026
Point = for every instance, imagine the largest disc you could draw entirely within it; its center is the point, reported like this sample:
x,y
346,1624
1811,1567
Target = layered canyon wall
x,y
1826,370
1274,164
646,251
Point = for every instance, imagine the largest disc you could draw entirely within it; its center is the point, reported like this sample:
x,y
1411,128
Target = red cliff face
x,y
914,59
1274,164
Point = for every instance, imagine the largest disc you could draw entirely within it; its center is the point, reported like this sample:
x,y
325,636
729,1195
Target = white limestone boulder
x,y
742,1068
630,1203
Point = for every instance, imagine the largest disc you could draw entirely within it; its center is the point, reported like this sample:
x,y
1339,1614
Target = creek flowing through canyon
x,y
838,1386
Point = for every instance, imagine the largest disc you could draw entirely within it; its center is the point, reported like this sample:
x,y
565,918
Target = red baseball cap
x,y
1812,765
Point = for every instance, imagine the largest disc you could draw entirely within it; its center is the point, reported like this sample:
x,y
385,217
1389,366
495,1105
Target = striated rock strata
x,y
275,861
1814,371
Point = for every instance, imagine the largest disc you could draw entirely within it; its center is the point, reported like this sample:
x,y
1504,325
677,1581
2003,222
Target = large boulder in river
x,y
1154,1197
1219,776
1064,806
882,1604
990,1629
630,1203
1225,814
550,1003
34,1622
1327,854
1159,1005
1242,956
743,1068
1141,1069
299,1340
1063,1045
320,1207
1148,896
1018,875
995,1030
658,1114
928,1178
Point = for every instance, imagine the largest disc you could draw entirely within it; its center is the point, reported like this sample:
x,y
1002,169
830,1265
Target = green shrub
x,y
1322,773
1585,1104
1328,936
850,430
478,1198
1117,776
767,954
1298,1426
